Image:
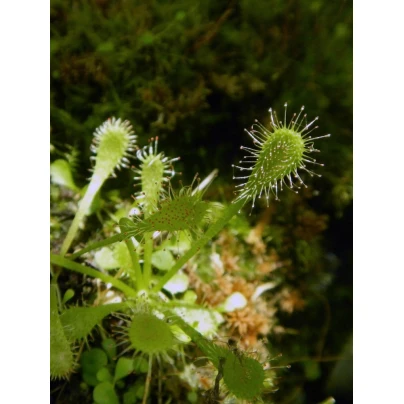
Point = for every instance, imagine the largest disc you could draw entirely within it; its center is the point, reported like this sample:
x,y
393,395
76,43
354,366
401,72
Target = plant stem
x,y
148,250
74,266
84,206
211,350
54,283
139,281
99,244
210,233
148,379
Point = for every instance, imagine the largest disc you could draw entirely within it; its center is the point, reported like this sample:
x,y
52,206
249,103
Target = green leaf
x,y
61,174
92,361
79,321
163,260
104,393
178,244
104,375
61,356
124,367
68,295
90,379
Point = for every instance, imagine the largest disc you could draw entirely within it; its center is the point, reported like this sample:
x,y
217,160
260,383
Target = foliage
x,y
149,321
191,75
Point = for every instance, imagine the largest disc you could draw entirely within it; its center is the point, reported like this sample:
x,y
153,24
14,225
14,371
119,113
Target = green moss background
x,y
196,73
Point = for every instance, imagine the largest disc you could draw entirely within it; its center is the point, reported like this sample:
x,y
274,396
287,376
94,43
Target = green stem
x,y
84,206
54,283
210,233
99,244
74,266
139,281
209,349
148,379
147,265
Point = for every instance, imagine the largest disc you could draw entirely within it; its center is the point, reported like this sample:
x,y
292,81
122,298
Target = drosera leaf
x,y
185,212
178,244
61,356
113,142
154,170
182,211
280,152
150,334
104,393
126,224
124,367
243,376
79,321
213,229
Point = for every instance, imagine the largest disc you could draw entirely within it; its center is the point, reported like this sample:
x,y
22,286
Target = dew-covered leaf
x,y
79,321
61,356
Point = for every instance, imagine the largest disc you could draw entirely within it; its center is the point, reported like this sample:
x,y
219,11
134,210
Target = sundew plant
x,y
153,239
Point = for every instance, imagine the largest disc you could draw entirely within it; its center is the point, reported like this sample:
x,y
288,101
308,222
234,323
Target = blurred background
x,y
195,74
